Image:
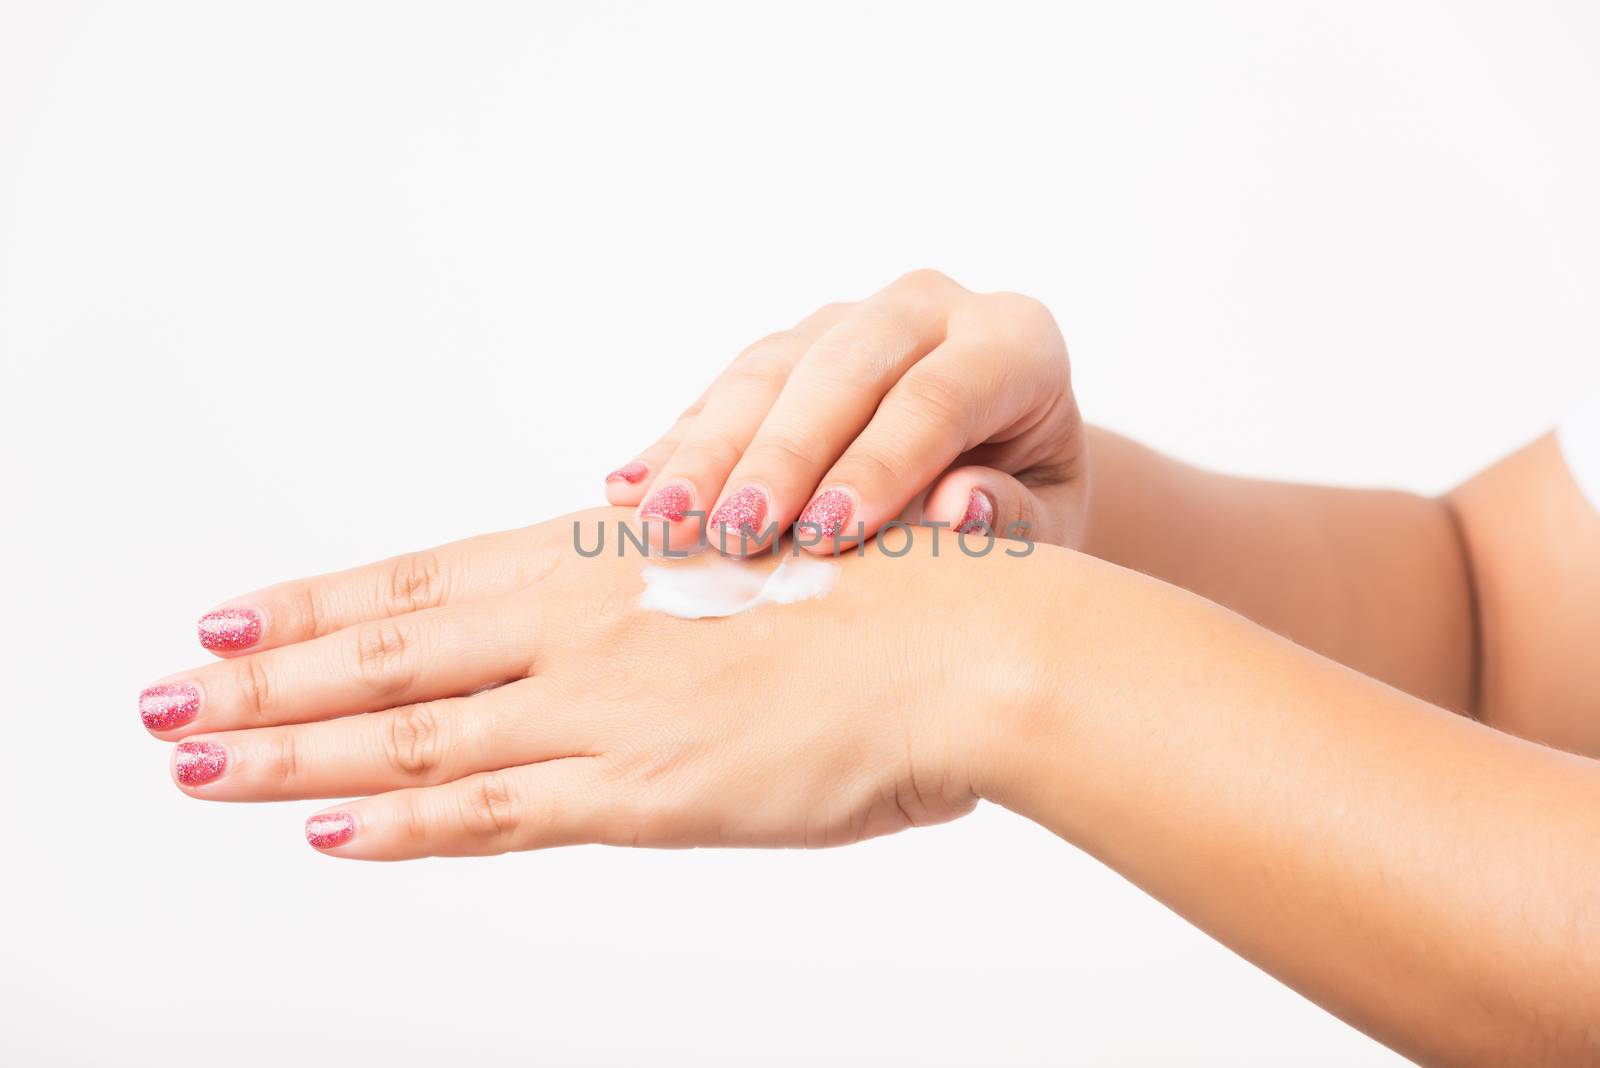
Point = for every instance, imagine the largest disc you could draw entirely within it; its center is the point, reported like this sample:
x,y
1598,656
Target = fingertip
x,y
197,762
622,495
626,485
829,512
672,521
965,495
978,518
168,707
737,526
982,500
327,831
231,629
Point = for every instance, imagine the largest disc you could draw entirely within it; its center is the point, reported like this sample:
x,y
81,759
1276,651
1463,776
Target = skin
x,y
1483,601
1375,579
926,392
1427,876
1424,876
915,397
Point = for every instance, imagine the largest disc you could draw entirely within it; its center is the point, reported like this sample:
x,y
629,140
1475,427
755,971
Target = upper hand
x,y
849,417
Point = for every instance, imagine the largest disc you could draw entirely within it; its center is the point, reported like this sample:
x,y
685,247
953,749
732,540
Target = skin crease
x,y
1428,878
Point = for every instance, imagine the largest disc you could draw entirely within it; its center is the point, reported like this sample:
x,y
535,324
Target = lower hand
x,y
506,693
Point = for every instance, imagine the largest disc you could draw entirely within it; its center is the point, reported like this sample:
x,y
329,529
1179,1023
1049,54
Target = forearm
x,y
1376,580
1423,876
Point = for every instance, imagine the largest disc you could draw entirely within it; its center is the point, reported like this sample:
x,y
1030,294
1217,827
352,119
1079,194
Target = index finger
x,y
298,611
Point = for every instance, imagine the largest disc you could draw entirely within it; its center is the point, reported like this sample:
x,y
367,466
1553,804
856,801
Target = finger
x,y
626,486
982,387
979,503
957,396
738,402
463,571
415,745
534,806
836,387
440,652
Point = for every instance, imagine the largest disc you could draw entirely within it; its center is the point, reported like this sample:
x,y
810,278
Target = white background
x,y
289,287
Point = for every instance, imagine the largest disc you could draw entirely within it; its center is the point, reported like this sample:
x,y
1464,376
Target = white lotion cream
x,y
714,585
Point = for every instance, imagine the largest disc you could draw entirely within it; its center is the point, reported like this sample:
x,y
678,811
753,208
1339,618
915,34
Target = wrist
x,y
1021,713
1091,659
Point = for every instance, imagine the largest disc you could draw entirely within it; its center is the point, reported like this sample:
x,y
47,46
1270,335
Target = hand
x,y
923,387
516,696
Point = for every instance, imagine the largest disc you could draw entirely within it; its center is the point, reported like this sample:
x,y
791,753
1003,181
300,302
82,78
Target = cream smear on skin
x,y
716,585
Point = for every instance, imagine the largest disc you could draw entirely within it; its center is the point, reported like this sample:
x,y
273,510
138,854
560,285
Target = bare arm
x,y
1479,602
1425,877
1377,580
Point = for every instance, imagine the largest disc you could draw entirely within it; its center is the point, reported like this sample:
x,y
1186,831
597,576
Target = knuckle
x,y
762,349
860,352
925,280
823,318
416,742
1026,522
937,398
1022,322
835,356
490,807
385,655
411,823
762,368
413,582
876,465
1017,306
253,683
709,448
780,450
312,611
689,414
286,758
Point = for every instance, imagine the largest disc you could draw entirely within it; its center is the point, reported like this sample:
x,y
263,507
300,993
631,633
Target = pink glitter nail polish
x,y
169,705
230,628
979,518
632,473
828,512
200,762
668,502
742,512
329,829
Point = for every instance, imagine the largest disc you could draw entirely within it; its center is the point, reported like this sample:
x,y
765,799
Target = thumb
x,y
982,500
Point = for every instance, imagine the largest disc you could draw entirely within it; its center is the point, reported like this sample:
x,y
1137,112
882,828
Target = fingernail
x,y
744,510
200,762
828,512
329,829
169,705
668,502
630,473
230,628
979,518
